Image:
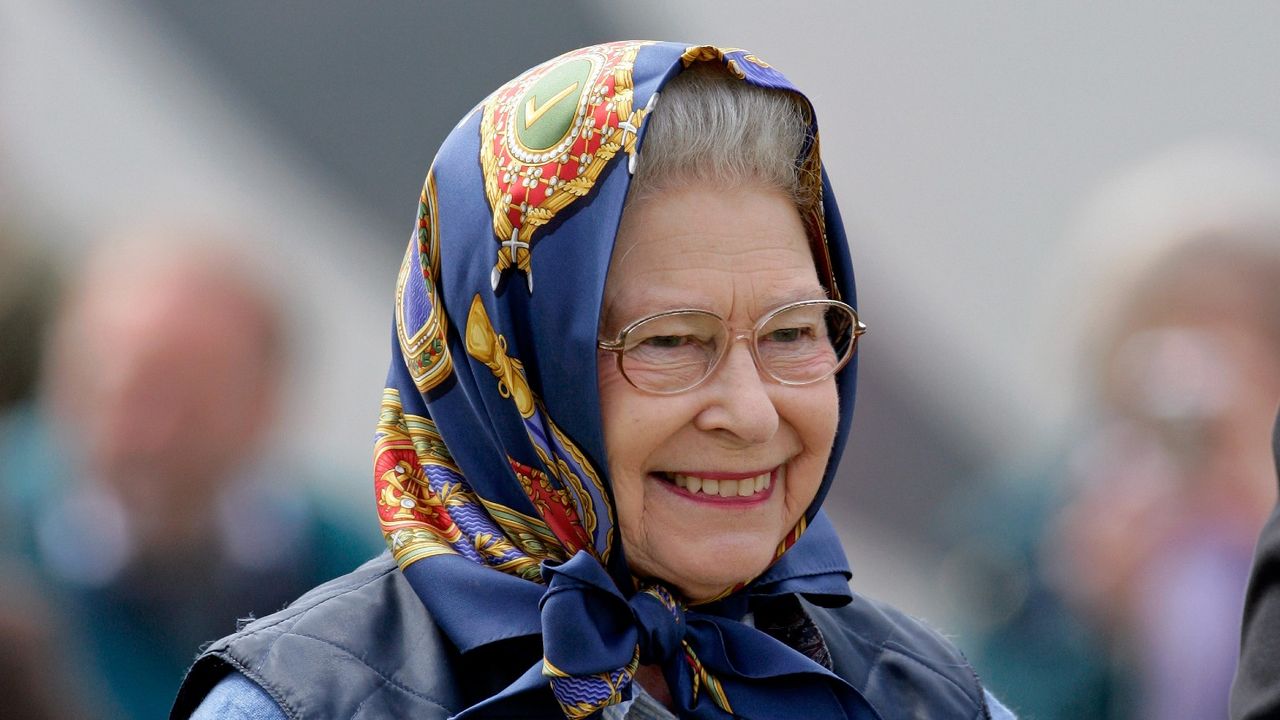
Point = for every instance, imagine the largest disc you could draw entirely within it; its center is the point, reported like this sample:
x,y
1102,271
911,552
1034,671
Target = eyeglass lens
x,y
797,344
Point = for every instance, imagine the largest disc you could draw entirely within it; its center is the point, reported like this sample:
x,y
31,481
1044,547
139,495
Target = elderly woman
x,y
620,384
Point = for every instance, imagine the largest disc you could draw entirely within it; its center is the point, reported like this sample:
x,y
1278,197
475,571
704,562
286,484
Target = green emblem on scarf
x,y
544,116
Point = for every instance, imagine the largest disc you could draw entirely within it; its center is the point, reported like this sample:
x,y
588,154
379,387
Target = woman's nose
x,y
738,398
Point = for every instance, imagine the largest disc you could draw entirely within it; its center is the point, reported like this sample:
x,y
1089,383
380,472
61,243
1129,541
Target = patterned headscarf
x,y
489,458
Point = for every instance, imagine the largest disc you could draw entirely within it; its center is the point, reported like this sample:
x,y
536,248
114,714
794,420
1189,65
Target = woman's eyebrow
x,y
628,306
800,294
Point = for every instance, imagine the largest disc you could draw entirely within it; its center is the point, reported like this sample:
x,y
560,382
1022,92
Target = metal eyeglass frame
x,y
618,345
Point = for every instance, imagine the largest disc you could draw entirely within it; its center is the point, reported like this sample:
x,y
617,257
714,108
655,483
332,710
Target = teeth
x,y
745,487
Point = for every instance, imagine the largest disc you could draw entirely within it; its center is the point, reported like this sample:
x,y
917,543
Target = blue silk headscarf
x,y
489,463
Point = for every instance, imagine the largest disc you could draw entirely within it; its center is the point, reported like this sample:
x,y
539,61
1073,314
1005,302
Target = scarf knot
x,y
595,639
660,617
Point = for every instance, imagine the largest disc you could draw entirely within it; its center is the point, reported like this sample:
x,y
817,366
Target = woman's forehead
x,y
703,247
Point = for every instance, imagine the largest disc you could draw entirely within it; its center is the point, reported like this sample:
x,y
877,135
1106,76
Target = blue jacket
x,y
363,646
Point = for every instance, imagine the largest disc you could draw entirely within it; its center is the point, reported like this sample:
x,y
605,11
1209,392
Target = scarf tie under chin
x,y
594,640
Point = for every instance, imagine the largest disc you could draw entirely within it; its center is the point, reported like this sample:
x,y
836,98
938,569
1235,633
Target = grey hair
x,y
710,127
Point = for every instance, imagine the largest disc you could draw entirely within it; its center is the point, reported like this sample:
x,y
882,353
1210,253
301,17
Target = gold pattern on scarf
x,y
425,349
416,520
711,53
704,679
530,534
489,347
528,185
615,682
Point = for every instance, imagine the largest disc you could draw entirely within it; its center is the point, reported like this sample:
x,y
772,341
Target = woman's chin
x,y
702,571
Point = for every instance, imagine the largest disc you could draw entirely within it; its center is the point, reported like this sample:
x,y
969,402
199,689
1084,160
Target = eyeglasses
x,y
797,344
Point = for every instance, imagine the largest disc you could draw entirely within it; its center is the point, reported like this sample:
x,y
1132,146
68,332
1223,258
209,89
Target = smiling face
x,y
707,482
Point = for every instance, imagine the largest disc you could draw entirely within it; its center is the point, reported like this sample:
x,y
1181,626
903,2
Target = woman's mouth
x,y
722,486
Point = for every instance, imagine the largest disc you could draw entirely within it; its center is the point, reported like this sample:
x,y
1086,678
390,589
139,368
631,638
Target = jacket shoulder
x,y
361,644
900,664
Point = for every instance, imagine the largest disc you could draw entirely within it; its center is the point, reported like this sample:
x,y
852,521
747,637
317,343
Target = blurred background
x,y
1066,225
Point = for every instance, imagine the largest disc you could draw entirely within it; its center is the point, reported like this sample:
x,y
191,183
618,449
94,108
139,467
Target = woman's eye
x,y
665,341
791,334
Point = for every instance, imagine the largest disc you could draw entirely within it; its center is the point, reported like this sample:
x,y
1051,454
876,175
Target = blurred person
x,y
1255,693
149,497
1176,482
1111,582
35,668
